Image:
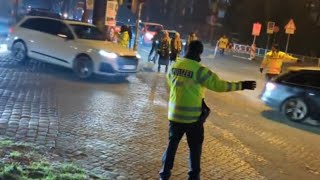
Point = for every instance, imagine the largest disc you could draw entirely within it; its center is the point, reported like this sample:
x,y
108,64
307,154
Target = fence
x,y
260,52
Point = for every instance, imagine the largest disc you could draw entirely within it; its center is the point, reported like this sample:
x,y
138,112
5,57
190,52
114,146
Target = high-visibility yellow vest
x,y
273,61
123,39
223,42
187,81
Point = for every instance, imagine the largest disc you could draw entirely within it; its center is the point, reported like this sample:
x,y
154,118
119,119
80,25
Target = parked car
x,y
71,44
148,30
295,93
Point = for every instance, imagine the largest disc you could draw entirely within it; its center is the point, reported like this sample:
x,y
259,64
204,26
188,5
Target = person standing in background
x,y
176,47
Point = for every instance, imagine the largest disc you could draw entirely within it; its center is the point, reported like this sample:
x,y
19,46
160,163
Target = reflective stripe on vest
x,y
183,117
185,108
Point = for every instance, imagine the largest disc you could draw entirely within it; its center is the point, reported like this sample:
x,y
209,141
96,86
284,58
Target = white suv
x,y
76,45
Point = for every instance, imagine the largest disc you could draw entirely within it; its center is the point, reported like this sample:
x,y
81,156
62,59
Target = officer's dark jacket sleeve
x,y
211,81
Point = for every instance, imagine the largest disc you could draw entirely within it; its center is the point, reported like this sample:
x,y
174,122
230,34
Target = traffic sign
x,y
256,29
290,27
270,27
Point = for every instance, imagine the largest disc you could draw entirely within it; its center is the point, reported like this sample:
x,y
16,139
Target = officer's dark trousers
x,y
195,136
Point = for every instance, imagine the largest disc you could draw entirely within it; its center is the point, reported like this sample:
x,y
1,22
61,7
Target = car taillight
x,y
11,30
270,86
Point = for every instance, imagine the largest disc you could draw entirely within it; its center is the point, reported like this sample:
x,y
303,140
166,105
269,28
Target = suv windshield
x,y
88,32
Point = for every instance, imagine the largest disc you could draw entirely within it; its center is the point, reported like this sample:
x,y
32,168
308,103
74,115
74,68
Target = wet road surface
x,y
119,129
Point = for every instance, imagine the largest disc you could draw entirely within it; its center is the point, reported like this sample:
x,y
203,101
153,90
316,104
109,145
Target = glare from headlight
x,y
270,86
149,36
65,15
107,54
3,48
138,56
184,43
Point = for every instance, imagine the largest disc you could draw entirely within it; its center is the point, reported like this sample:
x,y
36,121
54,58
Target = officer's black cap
x,y
195,47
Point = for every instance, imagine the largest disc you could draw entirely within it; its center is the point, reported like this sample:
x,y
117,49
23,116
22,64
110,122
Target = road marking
x,y
241,57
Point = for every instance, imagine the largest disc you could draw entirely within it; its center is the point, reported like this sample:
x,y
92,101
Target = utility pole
x,y
135,47
16,10
99,13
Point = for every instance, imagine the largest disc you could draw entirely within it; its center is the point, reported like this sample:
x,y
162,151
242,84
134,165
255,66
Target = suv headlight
x,y
107,54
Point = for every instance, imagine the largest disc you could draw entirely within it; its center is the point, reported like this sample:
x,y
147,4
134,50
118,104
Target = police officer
x,y
187,111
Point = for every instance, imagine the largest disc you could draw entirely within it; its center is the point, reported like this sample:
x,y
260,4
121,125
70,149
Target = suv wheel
x,y
295,109
19,51
83,67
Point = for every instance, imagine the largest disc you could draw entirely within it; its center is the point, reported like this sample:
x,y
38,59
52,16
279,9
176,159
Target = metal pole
x,y
274,38
135,47
287,42
268,41
254,39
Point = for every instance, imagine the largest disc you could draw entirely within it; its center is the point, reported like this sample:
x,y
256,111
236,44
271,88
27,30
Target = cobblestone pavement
x,y
27,104
119,130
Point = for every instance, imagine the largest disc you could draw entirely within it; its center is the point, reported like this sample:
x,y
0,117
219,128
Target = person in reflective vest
x,y
223,43
187,111
123,37
274,60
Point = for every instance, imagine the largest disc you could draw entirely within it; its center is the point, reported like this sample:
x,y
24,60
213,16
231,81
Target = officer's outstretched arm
x,y
289,59
211,81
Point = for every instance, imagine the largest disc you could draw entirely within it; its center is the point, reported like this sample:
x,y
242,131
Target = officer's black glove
x,y
251,85
261,70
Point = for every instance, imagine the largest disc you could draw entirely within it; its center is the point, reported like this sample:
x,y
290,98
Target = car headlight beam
x,y
107,54
149,36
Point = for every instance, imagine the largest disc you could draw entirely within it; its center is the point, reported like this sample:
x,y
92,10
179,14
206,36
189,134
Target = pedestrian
x,y
191,37
176,47
187,110
222,44
164,51
123,37
253,50
274,60
153,54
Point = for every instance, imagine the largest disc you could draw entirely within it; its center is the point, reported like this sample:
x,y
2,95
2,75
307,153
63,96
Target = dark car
x,y
295,93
